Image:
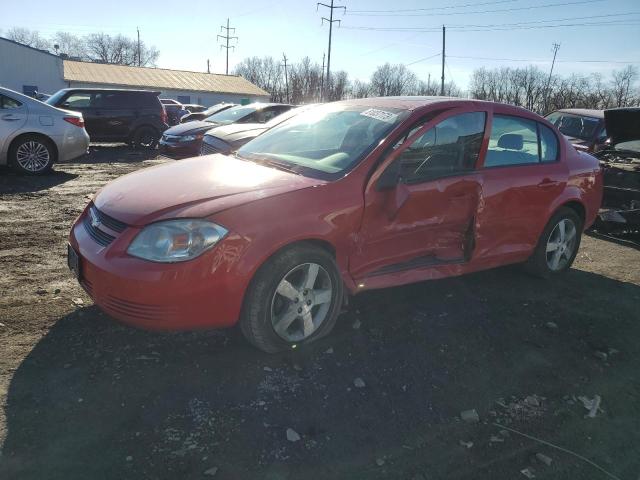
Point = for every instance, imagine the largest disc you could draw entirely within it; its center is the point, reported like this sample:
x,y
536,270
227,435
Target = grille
x,y
95,219
207,149
109,222
138,310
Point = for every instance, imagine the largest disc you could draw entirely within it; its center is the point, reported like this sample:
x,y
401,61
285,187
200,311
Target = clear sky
x,y
597,36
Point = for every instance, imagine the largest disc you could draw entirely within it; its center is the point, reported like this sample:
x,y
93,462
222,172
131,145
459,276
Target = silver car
x,y
34,135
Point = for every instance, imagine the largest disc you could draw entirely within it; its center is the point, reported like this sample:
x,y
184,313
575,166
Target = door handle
x,y
9,117
547,182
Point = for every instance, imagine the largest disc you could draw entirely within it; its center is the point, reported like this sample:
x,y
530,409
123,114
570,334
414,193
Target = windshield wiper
x,y
281,166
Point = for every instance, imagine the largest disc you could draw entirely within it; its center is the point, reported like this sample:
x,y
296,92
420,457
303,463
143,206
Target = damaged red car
x,y
345,197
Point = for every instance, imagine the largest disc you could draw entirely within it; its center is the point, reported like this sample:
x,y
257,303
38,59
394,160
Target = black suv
x,y
132,116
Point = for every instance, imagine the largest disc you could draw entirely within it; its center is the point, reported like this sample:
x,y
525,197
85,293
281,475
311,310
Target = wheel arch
x,y
21,135
577,207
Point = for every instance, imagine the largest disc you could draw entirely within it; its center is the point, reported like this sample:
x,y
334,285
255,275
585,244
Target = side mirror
x,y
389,178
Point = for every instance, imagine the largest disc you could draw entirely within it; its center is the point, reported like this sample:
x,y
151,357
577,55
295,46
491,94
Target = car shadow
x,y
120,152
12,182
95,399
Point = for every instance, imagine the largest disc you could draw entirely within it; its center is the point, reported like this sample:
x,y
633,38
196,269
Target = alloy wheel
x,y
33,156
561,244
301,302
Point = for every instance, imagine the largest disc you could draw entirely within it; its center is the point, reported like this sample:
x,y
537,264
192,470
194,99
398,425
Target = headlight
x,y
190,138
175,240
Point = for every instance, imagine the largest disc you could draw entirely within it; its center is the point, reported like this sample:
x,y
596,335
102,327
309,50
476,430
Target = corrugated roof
x,y
158,78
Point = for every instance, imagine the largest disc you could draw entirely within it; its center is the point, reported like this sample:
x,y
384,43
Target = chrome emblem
x,y
95,221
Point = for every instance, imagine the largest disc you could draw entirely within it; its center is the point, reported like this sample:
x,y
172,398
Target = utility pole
x,y
208,66
443,50
138,45
226,37
286,78
322,78
331,8
429,84
556,47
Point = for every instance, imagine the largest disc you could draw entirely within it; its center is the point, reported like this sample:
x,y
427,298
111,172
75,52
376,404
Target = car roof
x,y
411,103
155,92
583,112
260,105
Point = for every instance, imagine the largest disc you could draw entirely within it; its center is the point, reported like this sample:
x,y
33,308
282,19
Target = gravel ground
x,y
382,397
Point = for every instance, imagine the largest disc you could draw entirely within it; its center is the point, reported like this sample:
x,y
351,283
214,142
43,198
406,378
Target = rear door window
x,y
513,141
548,144
7,103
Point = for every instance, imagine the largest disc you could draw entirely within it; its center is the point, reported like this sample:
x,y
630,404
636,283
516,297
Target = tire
x,y
32,155
548,261
145,137
275,317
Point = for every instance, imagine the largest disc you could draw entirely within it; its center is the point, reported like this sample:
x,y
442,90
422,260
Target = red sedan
x,y
346,197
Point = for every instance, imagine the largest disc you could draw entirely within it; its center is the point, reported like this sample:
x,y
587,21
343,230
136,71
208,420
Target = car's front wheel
x,y
558,245
32,155
294,299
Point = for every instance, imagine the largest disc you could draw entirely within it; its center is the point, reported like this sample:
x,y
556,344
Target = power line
x,y
331,21
422,59
541,60
227,37
436,8
529,7
500,27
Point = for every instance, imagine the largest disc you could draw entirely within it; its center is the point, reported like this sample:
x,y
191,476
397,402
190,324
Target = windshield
x,y
575,126
53,99
328,139
231,115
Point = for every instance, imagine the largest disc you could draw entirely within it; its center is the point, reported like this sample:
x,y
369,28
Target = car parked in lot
x,y
34,135
206,113
136,117
346,197
227,138
186,139
583,127
194,108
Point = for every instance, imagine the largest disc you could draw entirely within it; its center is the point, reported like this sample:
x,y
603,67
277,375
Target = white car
x,y
34,135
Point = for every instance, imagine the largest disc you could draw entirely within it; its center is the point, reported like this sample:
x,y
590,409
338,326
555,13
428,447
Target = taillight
x,y
77,121
163,116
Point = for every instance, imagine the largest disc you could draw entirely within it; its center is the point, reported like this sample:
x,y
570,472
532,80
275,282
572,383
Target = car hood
x,y
193,188
622,124
237,131
190,128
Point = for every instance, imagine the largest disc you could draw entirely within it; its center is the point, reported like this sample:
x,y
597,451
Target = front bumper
x,y
180,149
200,293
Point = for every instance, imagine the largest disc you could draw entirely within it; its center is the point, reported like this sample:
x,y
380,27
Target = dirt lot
x,y
86,398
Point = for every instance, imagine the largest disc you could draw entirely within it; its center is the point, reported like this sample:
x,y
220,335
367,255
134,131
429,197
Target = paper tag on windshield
x,y
380,115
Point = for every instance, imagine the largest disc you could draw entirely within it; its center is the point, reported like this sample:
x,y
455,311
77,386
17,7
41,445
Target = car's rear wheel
x,y
146,137
558,245
32,155
294,299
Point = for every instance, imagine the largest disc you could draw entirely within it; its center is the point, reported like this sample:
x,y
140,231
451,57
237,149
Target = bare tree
x,y
31,38
69,44
118,49
621,85
390,80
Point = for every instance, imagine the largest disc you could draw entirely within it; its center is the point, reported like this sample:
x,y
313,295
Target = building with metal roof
x,y
26,69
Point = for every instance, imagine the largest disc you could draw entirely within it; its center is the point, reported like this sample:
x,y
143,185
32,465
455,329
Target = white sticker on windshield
x,y
380,115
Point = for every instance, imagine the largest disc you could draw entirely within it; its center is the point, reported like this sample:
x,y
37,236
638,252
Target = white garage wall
x,y
21,65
